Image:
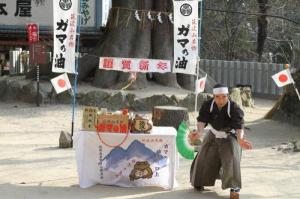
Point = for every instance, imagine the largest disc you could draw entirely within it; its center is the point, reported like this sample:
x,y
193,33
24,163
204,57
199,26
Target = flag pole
x,y
76,70
199,51
197,77
296,89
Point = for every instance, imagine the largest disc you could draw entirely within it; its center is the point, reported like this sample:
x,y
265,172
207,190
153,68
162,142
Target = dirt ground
x,y
33,167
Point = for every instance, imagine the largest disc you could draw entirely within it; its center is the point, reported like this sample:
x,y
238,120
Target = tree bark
x,y
186,81
169,116
262,24
127,37
162,42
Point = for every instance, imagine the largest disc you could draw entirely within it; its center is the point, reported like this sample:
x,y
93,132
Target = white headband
x,y
220,90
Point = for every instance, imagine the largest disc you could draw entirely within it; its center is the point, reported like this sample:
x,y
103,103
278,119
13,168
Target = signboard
x,y
89,119
32,32
185,36
113,123
39,54
65,22
135,65
142,159
19,12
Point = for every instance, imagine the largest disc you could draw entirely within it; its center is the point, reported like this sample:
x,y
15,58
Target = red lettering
x,y
100,127
108,127
115,128
126,64
162,65
123,128
144,65
108,63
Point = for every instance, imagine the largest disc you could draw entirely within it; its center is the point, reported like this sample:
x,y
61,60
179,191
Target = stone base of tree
x,y
286,110
20,89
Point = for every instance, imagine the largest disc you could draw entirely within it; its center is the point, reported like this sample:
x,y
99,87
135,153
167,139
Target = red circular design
x,y
34,27
109,145
201,84
61,83
283,78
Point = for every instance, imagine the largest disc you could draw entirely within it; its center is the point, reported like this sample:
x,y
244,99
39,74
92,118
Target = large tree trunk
x,y
90,62
162,42
169,116
262,24
127,37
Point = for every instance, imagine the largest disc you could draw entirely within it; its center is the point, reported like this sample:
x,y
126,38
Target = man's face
x,y
221,100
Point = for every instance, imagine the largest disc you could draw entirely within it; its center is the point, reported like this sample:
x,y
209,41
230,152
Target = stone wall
x,y
21,90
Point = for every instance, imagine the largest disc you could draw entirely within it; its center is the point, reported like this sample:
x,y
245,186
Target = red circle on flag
x,y
201,84
61,83
283,78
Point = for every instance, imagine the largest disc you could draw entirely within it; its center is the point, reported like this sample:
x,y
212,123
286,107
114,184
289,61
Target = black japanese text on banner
x,y
135,65
185,36
64,26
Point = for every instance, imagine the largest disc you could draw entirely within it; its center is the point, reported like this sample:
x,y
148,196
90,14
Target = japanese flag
x,y
200,84
283,78
61,83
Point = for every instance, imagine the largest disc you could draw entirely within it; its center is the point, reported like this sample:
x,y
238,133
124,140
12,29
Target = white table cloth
x,y
142,160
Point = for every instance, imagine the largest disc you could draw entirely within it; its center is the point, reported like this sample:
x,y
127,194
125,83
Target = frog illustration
x,y
141,170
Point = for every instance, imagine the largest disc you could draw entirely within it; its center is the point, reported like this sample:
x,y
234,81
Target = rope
x,y
132,80
133,10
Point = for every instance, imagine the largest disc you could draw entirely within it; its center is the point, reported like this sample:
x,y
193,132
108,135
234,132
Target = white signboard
x,y
21,12
185,36
64,26
141,160
135,65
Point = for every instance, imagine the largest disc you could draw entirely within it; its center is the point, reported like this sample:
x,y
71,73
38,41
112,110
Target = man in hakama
x,y
220,153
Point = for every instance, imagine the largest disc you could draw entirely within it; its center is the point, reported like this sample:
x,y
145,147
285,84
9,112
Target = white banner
x,y
185,36
106,5
64,26
141,160
135,65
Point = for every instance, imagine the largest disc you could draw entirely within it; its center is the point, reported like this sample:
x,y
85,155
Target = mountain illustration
x,y
135,150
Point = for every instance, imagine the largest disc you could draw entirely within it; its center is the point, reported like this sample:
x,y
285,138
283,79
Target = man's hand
x,y
194,136
245,144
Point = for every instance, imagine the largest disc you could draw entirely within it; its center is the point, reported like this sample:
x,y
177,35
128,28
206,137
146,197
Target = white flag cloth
x,y
61,83
283,78
200,85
